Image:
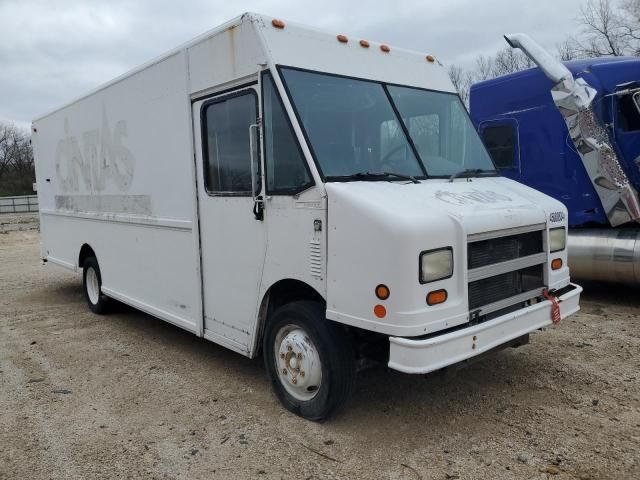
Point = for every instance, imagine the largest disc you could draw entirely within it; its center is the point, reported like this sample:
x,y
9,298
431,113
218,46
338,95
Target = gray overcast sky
x,y
54,50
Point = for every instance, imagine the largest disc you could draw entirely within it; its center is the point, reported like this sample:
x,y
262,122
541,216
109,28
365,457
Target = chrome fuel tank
x,y
611,255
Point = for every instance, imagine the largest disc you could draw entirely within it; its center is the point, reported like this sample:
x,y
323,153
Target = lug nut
x,y
302,373
294,381
289,347
282,355
300,355
284,371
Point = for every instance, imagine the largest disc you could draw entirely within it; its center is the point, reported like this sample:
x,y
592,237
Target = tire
x,y
300,329
92,283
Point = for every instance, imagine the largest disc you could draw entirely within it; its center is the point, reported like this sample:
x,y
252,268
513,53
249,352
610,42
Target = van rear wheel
x,y
308,359
92,282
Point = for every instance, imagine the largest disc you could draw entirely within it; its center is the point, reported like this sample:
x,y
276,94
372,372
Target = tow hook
x,y
555,306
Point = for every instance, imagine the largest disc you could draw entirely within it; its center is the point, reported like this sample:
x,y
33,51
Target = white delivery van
x,y
321,199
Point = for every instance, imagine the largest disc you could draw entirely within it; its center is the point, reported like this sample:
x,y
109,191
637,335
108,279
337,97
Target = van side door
x,y
232,236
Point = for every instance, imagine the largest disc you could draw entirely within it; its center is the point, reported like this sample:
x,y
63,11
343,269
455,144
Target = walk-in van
x,y
321,199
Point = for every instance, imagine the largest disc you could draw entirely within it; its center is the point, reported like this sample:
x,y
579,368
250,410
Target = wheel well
x,y
372,348
281,293
289,290
85,252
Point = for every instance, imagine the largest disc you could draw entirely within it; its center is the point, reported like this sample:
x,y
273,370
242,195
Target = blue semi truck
x,y
572,131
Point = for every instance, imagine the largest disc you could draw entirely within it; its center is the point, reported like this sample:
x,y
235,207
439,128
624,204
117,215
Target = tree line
x,y
608,28
17,172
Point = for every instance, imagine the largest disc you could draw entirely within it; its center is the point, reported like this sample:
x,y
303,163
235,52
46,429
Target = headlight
x,y
557,239
436,264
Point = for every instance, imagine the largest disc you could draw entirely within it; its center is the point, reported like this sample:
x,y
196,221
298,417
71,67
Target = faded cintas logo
x,y
470,197
103,158
555,217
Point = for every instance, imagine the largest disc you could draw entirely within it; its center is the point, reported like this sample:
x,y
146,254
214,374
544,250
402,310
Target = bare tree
x,y
631,25
509,60
462,80
503,62
16,161
566,50
608,29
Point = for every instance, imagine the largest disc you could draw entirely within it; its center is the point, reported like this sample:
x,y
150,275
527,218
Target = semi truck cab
x,y
572,131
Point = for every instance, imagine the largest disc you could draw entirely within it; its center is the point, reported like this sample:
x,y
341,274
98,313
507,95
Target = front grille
x,y
496,250
493,289
505,270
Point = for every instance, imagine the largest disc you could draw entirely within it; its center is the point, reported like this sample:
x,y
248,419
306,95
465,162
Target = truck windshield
x,y
359,126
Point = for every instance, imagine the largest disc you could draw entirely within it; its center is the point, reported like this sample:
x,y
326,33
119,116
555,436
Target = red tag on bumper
x,y
555,306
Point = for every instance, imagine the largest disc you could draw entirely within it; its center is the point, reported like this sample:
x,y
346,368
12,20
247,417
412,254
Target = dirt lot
x,y
128,396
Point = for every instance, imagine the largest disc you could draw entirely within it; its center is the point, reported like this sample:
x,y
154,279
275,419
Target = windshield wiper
x,y
372,176
470,172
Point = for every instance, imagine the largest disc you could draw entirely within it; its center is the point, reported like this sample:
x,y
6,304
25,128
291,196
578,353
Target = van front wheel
x,y
308,359
92,282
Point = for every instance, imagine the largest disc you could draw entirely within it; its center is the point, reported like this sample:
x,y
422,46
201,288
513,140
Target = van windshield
x,y
358,126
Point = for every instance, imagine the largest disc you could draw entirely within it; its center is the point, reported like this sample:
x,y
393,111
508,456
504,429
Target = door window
x,y
286,168
501,145
629,113
228,146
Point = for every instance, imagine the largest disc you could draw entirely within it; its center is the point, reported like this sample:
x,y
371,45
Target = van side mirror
x,y
258,200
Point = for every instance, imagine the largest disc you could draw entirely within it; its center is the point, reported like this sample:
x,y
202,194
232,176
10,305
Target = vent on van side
x,y
315,258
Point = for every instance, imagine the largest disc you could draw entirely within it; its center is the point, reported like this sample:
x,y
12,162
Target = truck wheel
x,y
92,282
308,359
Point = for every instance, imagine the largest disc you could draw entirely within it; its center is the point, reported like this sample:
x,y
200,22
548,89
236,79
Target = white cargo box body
x,y
162,178
115,170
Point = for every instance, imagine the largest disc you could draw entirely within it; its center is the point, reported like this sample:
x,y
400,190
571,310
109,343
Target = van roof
x,y
305,47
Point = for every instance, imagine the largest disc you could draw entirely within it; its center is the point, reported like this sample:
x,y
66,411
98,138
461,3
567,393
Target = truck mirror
x,y
252,159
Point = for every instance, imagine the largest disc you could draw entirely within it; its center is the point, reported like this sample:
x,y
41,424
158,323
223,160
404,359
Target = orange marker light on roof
x,y
277,23
385,48
342,38
364,44
380,311
430,58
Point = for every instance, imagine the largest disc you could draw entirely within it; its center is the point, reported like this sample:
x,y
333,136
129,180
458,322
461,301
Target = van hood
x,y
377,232
475,204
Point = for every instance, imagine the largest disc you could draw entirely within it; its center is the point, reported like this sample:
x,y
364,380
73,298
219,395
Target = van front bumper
x,y
426,355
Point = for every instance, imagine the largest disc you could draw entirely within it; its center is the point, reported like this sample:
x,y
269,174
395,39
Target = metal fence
x,y
23,204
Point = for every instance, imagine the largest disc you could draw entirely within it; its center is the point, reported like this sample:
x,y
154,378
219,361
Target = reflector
x,y
436,297
380,311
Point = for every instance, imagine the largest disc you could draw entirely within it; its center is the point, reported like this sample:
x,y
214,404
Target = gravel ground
x,y
128,396
11,222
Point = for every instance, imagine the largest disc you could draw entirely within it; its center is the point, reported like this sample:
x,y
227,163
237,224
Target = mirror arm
x,y
258,202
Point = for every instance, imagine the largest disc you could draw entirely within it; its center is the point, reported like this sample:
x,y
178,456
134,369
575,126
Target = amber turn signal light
x,y
436,297
382,292
380,311
556,264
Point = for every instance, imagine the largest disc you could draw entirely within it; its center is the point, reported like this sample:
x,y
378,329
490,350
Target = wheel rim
x,y
93,286
297,362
